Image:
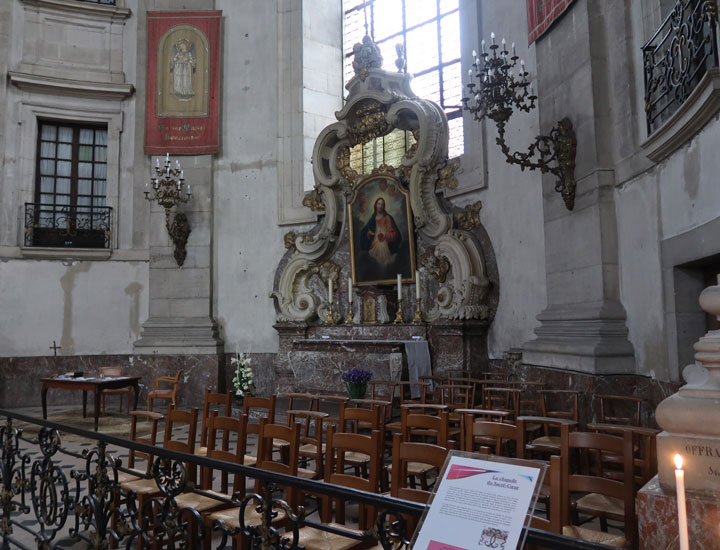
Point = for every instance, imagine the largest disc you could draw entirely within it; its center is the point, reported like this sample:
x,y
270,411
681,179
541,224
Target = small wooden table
x,y
96,385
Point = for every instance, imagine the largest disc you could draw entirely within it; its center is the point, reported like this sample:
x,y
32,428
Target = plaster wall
x,y
512,199
86,307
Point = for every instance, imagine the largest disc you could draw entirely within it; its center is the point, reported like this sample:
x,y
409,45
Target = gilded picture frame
x,y
382,239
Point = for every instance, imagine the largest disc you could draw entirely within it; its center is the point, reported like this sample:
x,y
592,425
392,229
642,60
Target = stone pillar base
x,y
590,338
657,519
179,336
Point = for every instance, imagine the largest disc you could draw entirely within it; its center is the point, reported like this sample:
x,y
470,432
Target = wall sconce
x,y
167,186
498,91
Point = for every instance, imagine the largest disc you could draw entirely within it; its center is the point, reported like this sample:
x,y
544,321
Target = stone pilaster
x,y
583,327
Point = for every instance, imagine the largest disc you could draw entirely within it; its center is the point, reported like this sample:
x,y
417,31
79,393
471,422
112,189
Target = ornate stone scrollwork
x,y
366,56
378,103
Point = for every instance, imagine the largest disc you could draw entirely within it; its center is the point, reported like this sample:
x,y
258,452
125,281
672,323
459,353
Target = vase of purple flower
x,y
356,382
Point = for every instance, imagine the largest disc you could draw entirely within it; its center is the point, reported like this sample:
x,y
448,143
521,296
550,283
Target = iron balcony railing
x,y
67,225
40,497
677,57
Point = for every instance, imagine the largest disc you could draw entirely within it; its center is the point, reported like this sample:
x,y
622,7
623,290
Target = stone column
x,y
583,327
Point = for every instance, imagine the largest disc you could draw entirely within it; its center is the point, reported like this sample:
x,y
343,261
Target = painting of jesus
x,y
381,234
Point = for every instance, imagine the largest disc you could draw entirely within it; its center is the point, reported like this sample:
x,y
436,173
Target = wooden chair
x,y
619,409
268,433
486,415
381,390
498,398
552,486
644,452
151,439
257,407
551,424
404,455
352,419
160,392
114,372
495,436
425,427
432,395
339,445
224,408
146,489
554,404
311,448
601,497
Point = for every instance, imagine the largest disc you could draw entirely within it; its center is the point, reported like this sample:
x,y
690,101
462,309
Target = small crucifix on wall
x,y
55,347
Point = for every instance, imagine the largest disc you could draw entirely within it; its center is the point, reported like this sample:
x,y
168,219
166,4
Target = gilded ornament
x,y
289,239
383,170
344,167
369,123
366,56
329,270
446,175
313,201
469,217
437,267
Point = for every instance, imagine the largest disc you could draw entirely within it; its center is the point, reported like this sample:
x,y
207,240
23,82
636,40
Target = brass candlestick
x,y
418,312
398,313
330,316
349,319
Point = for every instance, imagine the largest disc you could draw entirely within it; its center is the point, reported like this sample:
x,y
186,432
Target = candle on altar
x,y
417,284
682,510
399,286
350,290
330,290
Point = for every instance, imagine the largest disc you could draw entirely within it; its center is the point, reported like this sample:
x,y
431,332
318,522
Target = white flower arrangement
x,y
243,379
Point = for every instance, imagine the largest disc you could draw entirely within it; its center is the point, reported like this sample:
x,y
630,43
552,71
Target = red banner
x,y
542,14
183,83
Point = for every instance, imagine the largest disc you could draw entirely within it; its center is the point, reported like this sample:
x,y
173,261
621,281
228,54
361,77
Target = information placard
x,y
480,502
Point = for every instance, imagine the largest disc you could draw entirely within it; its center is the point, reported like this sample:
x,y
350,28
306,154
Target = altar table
x,y
96,385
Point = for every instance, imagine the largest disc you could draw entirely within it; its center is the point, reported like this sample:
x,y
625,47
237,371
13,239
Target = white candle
x,y
157,162
182,175
167,157
492,36
330,291
188,188
350,289
399,287
482,44
417,285
682,510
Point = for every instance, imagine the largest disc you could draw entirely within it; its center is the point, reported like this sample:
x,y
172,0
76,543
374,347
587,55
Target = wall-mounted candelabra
x,y
494,91
167,192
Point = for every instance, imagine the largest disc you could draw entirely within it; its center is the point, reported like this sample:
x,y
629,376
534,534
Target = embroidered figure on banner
x,y
182,66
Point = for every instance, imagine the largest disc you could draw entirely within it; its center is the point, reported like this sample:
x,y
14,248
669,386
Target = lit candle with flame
x,y
682,510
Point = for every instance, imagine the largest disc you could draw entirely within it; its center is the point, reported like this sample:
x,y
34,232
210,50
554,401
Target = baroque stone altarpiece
x,y
454,254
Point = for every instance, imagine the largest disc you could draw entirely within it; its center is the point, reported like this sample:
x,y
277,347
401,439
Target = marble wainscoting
x,y
589,385
658,521
311,357
20,384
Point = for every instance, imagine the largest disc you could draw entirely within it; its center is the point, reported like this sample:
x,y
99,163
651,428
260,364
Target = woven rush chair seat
x,y
160,392
317,539
231,517
595,502
590,535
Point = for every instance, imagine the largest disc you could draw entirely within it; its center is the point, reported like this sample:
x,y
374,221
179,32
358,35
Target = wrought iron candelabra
x,y
497,93
167,192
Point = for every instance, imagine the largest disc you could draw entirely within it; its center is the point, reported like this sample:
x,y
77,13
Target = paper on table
x,y
478,504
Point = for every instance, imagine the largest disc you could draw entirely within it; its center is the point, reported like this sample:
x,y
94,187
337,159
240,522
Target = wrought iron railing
x,y
677,56
67,226
40,497
109,2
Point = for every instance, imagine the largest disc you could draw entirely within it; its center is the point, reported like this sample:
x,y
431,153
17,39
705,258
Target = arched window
x,y
429,31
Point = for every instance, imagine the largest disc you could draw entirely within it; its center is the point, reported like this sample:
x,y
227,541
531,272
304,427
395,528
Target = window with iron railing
x,y
677,57
70,189
429,32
